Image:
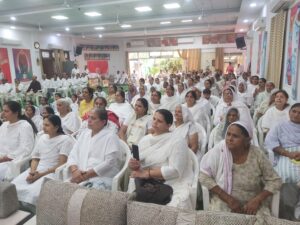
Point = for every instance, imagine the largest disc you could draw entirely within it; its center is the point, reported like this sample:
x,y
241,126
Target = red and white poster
x,y
4,64
98,66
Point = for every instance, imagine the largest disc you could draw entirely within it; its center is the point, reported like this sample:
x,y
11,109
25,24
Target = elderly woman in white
x,y
16,136
166,158
185,127
71,122
96,157
230,99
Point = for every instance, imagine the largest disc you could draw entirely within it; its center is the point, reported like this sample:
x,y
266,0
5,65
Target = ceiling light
x,y
92,14
100,35
143,9
242,30
99,28
58,34
253,4
186,21
165,22
12,27
126,26
245,21
13,18
200,17
59,17
67,29
172,6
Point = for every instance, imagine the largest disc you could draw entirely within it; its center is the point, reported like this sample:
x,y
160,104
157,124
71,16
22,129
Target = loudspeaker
x,y
240,42
78,50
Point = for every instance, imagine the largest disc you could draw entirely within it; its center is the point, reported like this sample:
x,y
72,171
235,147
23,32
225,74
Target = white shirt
x,y
16,140
100,152
75,71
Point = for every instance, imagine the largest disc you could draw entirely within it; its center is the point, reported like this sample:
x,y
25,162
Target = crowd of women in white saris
x,y
211,114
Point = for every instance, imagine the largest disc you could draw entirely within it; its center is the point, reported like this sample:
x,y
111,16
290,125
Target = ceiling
x,y
216,16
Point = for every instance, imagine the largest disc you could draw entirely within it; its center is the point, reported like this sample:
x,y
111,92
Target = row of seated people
x,y
229,95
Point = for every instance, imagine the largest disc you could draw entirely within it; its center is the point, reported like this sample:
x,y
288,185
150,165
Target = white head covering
x,y
186,114
245,86
248,127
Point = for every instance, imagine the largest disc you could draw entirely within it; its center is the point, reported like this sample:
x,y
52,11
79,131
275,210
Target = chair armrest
x,y
275,204
117,178
205,196
59,172
14,167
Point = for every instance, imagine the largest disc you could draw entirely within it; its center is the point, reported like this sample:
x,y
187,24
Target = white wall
x,y
26,40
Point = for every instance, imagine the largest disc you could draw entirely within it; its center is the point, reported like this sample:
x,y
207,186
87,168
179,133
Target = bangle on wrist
x,y
73,170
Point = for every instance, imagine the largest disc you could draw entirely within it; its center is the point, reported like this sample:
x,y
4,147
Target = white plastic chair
x,y
15,167
117,180
202,138
274,204
194,187
212,137
260,133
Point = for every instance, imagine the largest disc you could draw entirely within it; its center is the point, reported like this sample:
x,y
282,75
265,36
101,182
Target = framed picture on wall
x,y
22,63
4,65
291,65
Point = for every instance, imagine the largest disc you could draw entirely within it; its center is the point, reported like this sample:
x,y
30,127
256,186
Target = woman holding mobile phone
x,y
166,158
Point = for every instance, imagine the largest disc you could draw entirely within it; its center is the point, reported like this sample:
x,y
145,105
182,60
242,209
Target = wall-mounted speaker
x,y
78,50
240,42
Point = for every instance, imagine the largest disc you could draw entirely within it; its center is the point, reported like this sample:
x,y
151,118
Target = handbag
x,y
152,191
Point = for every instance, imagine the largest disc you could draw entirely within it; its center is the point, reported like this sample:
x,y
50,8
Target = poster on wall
x,y
4,65
292,53
22,63
98,66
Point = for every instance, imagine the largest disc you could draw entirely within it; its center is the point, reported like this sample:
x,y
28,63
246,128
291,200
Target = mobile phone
x,y
135,152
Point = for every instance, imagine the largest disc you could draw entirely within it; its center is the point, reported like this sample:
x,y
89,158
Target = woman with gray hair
x,y
71,122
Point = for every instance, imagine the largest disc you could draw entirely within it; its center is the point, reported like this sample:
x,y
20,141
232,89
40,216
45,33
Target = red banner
x,y
98,66
4,64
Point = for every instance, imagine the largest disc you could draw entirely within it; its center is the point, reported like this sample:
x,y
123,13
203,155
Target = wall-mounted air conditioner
x,y
5,41
185,40
259,24
277,5
53,46
137,43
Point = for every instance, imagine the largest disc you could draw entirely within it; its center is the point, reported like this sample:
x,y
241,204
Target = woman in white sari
x,y
71,122
37,119
17,135
277,113
51,151
228,100
136,126
166,158
191,104
218,133
239,175
243,94
96,157
184,126
121,108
